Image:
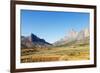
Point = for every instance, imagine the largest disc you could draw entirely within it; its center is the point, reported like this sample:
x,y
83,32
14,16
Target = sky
x,y
51,25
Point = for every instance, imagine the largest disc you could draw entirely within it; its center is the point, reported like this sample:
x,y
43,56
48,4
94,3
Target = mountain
x,y
83,34
72,34
74,37
33,41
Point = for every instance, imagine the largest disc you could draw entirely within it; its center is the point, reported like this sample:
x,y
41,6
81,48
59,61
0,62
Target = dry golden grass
x,y
56,54
40,58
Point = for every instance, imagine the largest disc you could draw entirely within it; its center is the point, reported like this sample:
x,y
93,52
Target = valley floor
x,y
70,53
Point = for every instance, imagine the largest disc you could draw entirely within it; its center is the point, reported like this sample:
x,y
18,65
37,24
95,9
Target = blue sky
x,y
50,25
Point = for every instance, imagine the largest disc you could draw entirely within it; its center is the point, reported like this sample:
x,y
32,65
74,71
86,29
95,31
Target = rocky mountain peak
x,y
33,40
86,32
33,37
72,33
74,36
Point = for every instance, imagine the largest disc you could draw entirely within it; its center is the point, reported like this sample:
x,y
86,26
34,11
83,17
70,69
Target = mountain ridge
x,y
33,41
73,36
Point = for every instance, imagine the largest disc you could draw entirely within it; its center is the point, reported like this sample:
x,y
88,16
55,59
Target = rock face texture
x,y
33,41
73,36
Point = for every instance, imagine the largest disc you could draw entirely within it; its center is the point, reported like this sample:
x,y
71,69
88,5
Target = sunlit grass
x,y
56,54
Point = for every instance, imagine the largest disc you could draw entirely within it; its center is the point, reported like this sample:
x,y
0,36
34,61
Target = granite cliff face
x,y
76,37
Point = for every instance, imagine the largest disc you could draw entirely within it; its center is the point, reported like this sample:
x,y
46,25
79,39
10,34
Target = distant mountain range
x,y
33,41
74,37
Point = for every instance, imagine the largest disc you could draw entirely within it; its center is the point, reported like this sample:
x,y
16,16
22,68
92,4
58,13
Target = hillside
x,y
33,41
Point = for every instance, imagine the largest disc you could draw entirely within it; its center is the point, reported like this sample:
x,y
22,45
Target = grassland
x,y
60,53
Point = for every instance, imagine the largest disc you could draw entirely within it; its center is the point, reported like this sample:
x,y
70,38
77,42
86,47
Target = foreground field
x,y
70,53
